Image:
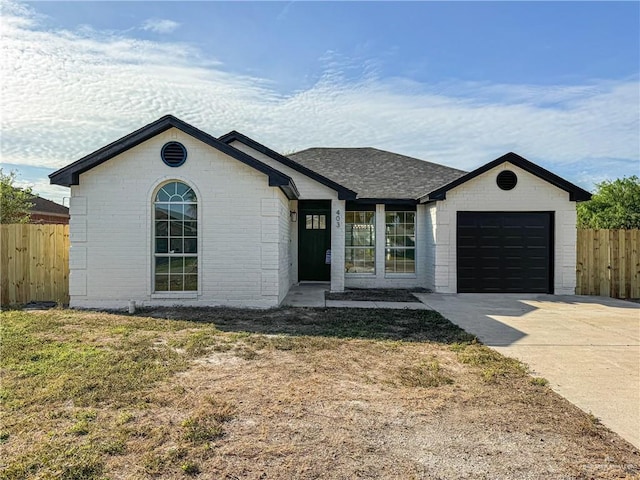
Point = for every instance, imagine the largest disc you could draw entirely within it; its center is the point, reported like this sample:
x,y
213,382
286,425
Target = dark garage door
x,y
505,252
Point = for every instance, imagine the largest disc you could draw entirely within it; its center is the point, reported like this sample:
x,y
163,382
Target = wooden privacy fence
x,y
34,263
608,263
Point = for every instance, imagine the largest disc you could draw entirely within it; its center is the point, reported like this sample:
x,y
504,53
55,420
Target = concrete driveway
x,y
587,347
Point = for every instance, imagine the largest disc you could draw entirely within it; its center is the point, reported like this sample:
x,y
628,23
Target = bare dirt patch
x,y
289,393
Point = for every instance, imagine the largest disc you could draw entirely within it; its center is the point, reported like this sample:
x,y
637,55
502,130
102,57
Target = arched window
x,y
175,216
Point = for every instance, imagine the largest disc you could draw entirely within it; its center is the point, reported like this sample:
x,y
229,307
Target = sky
x,y
456,83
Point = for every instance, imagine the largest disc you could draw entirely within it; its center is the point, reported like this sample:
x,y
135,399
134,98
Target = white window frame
x,y
388,247
192,293
372,227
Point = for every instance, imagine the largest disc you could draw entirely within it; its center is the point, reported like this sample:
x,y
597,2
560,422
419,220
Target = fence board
x,y
608,263
34,263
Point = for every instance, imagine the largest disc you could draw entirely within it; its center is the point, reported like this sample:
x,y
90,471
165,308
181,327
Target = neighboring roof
x,y
576,194
344,193
70,175
42,205
377,174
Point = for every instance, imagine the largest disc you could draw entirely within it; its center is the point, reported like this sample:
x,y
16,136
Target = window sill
x,y
175,295
400,275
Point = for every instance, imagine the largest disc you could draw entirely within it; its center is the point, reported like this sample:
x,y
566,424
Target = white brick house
x,y
169,214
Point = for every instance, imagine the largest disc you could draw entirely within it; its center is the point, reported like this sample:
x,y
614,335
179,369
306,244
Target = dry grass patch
x,y
285,393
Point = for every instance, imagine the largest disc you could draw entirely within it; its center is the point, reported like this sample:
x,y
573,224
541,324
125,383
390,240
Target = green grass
x,y
84,379
427,374
51,361
491,365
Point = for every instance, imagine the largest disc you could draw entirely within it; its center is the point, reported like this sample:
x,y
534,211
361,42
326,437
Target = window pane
x,y
309,222
176,265
190,265
190,245
176,282
162,283
176,212
390,229
190,229
162,229
162,265
348,235
190,196
323,222
181,189
162,245
410,229
410,262
191,282
176,229
190,212
162,196
161,212
410,217
176,245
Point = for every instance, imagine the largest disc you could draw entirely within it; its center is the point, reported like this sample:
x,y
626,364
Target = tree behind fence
x,y
34,263
608,263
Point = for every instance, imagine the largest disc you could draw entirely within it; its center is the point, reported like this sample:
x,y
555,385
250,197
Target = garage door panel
x,y
505,252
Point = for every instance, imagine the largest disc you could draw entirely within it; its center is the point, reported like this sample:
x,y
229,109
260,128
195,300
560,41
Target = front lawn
x,y
284,393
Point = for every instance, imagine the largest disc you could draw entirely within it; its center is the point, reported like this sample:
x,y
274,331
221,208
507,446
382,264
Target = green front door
x,y
314,240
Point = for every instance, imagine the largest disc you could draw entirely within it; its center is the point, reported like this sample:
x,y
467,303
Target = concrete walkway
x,y
587,347
312,295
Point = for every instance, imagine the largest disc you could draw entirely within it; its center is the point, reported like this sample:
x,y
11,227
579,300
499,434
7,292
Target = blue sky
x,y
458,83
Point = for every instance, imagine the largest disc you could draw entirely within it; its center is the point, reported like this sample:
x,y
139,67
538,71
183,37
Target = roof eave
x,y
386,201
70,175
576,194
344,193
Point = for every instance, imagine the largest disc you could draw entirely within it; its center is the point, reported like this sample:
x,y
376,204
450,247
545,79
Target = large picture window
x,y
175,216
400,242
360,242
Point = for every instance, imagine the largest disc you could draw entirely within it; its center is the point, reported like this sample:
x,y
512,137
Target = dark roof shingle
x,y
42,205
377,173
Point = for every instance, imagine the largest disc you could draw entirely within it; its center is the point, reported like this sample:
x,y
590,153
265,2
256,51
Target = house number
x,y
337,218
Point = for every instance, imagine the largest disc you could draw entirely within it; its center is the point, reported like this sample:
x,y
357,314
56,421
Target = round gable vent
x,y
506,180
173,154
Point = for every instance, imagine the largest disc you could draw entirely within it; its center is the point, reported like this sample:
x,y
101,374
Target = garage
x,y
504,252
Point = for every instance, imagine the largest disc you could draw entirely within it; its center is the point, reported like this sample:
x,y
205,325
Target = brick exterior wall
x,y
482,194
242,230
309,190
43,218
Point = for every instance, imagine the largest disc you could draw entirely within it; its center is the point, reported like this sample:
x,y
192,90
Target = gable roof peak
x,y
576,194
70,175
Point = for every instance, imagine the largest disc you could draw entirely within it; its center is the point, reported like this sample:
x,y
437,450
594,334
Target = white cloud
x,y
68,93
160,25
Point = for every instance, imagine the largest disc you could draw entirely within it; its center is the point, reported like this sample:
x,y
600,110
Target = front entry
x,y
314,240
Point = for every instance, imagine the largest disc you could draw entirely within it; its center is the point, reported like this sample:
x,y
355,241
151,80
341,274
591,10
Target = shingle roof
x,y
343,193
42,205
377,173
